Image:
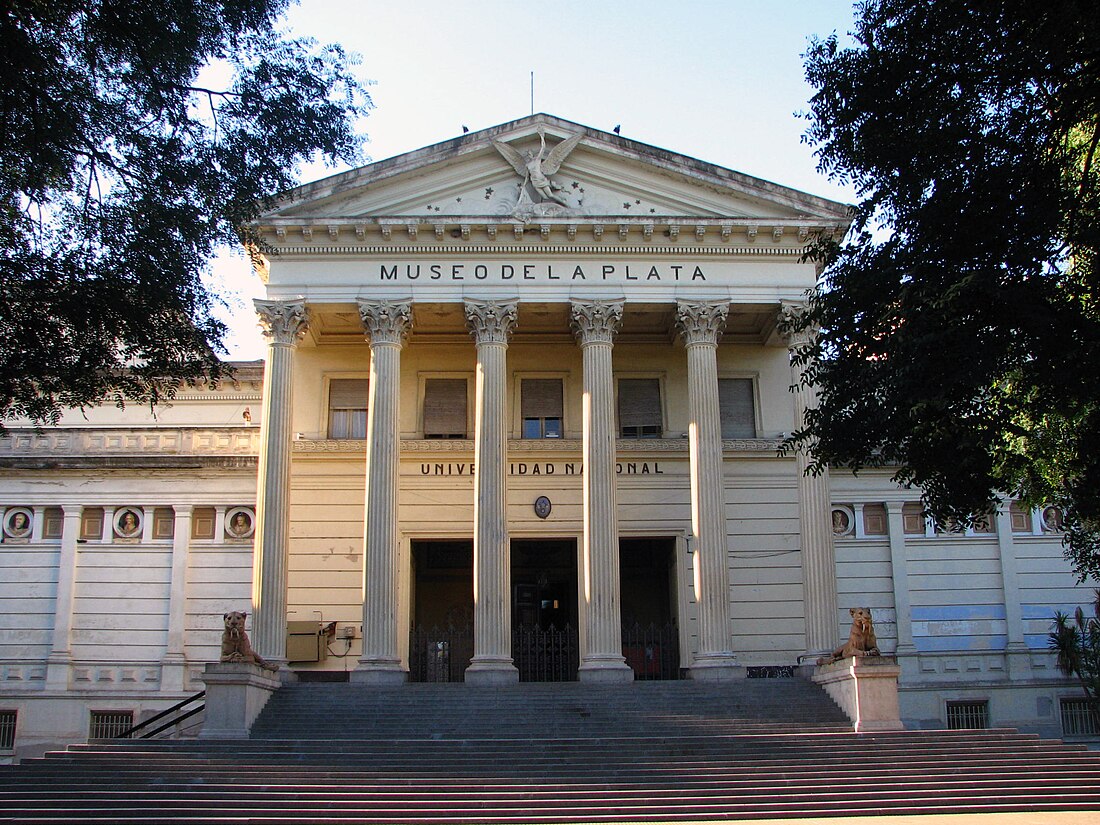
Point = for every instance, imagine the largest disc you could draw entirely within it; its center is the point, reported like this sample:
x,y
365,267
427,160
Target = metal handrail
x,y
129,732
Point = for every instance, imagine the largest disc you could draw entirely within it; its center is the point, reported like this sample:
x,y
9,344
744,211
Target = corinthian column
x,y
491,324
595,325
283,323
700,326
815,523
387,325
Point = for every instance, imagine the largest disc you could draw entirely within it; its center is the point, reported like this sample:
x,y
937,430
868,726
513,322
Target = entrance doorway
x,y
651,637
545,647
441,641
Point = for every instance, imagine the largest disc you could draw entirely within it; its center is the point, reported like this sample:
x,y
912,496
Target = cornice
x,y
540,249
625,446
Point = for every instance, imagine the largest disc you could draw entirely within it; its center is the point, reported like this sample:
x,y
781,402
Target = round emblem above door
x,y
542,507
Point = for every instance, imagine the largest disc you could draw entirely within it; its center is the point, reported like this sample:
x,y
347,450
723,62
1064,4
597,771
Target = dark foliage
x,y
121,173
958,337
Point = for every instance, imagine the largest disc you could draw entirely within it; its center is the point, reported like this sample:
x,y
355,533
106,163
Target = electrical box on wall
x,y
306,642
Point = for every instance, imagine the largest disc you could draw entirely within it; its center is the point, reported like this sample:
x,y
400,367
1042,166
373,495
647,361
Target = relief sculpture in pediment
x,y
539,195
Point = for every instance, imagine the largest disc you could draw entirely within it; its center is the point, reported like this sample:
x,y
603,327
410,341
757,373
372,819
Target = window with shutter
x,y
445,408
737,407
347,408
541,407
640,408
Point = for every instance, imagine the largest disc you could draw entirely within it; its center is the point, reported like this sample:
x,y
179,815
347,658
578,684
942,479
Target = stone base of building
x,y
866,689
492,672
236,692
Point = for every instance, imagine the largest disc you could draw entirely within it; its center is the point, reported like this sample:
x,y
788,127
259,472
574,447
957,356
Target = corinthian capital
x,y
701,322
283,322
386,322
491,322
790,316
597,322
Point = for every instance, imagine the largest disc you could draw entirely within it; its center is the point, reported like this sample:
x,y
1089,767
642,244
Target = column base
x,y
717,668
605,670
491,672
58,671
381,674
173,673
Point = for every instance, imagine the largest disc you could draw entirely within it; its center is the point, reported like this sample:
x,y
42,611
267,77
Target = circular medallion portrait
x,y
1052,519
842,521
240,523
128,523
17,523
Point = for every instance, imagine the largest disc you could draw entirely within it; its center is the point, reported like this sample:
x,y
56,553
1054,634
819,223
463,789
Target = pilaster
x,y
899,573
595,325
174,664
700,326
491,324
283,324
1017,655
387,324
60,659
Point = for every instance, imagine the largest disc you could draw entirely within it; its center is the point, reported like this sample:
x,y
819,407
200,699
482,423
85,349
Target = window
x,y
109,724
7,729
347,408
541,407
640,408
737,407
912,518
874,520
202,523
91,523
164,523
52,523
1021,518
445,408
968,715
1078,718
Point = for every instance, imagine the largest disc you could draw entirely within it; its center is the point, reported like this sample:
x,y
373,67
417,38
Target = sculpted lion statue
x,y
235,644
861,638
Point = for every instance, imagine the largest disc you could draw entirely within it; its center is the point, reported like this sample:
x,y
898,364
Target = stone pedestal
x,y
602,660
491,324
866,689
387,324
236,692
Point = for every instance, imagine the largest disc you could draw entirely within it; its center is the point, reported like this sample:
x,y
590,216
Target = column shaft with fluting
x,y
595,325
387,325
815,523
283,323
491,324
700,325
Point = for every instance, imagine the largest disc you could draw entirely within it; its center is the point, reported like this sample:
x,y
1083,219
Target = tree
x,y
956,325
123,169
1076,644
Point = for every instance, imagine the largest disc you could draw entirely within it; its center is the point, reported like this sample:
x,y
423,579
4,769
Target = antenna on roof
x,y
532,92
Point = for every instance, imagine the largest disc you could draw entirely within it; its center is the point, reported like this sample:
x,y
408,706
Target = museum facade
x,y
520,418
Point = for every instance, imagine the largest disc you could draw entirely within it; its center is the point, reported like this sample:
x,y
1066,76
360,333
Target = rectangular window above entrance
x,y
445,408
541,407
640,408
737,407
347,408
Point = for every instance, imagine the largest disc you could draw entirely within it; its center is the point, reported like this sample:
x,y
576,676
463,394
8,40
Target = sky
x,y
717,80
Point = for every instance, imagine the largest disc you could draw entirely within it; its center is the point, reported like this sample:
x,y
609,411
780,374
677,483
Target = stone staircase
x,y
533,753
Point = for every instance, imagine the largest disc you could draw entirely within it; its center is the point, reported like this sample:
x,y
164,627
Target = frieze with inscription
x,y
549,468
518,272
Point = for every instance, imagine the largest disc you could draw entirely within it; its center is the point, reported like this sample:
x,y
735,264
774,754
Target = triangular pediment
x,y
510,172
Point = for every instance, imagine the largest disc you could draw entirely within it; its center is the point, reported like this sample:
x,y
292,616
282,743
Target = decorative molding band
x,y
541,445
179,441
544,249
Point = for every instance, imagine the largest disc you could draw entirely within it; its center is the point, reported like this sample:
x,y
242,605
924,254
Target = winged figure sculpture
x,y
536,168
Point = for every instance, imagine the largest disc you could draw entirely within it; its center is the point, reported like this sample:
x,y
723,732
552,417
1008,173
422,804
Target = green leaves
x,y
958,322
121,173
